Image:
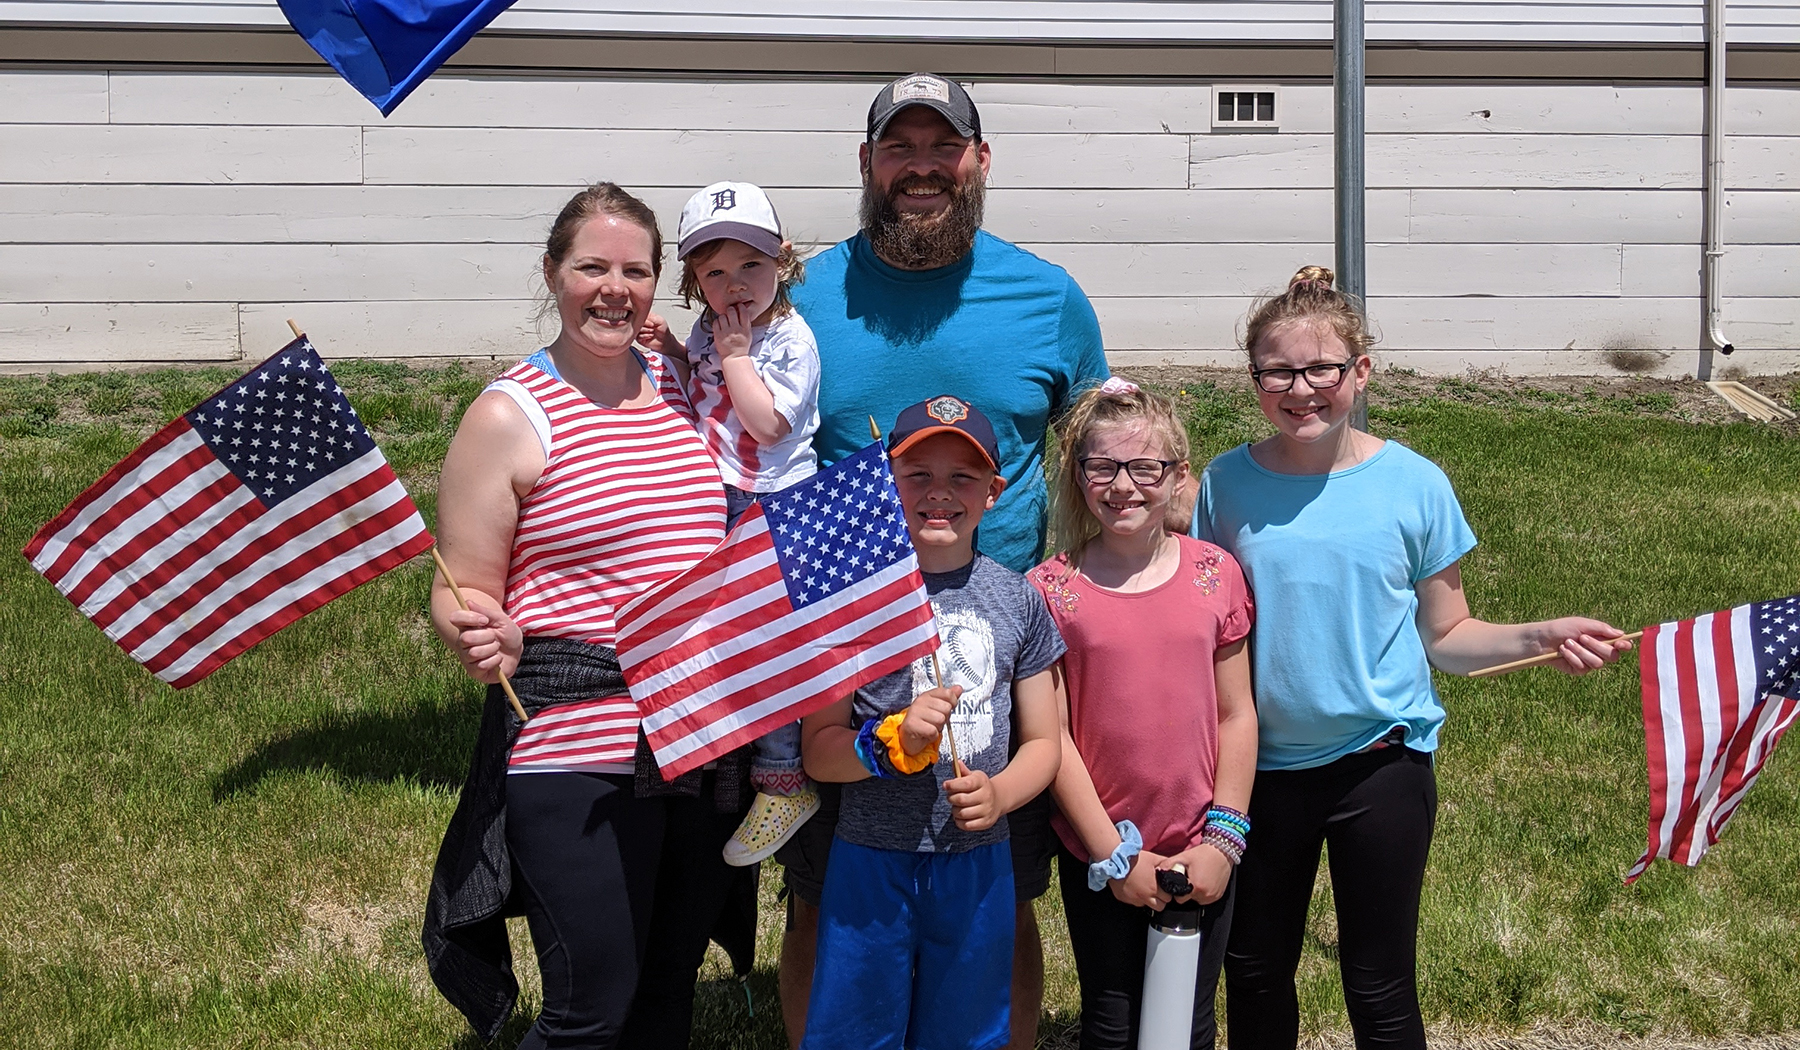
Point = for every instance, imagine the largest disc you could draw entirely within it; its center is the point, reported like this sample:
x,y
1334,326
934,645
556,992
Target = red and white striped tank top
x,y
628,498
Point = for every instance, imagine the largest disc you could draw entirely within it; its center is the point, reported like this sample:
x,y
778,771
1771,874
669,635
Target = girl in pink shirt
x,y
1159,731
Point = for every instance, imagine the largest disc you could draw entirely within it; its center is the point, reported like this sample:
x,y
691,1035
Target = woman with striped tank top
x,y
575,482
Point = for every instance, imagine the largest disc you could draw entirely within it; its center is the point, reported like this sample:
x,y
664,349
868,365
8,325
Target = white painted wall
x,y
1151,21
166,216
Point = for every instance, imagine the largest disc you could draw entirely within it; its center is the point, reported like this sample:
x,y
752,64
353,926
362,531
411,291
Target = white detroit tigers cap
x,y
737,211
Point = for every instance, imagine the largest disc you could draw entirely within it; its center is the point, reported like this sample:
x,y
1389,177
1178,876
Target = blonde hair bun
x,y
1319,277
1310,299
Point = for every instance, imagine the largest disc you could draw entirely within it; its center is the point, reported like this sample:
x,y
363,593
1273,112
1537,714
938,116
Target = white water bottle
x,y
1171,969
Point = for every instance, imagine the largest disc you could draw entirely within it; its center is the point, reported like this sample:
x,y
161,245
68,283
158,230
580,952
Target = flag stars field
x,y
273,475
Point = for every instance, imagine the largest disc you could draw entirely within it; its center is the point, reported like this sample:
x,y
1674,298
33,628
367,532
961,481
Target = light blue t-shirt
x,y
1333,560
1000,328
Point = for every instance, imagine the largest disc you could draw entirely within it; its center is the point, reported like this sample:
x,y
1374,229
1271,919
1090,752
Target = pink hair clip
x,y
1115,385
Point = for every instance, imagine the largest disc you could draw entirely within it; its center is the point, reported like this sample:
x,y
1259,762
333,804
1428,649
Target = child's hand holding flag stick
x,y
1545,659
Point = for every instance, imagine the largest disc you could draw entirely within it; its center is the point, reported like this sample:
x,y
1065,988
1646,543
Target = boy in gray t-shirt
x,y
916,921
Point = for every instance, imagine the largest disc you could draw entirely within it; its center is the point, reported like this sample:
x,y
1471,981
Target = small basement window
x,y
1245,106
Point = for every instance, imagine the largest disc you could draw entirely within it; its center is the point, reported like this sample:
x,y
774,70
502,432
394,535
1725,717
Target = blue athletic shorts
x,y
915,950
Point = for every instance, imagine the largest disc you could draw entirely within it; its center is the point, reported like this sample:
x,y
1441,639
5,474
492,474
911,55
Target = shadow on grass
x,y
514,1030
427,745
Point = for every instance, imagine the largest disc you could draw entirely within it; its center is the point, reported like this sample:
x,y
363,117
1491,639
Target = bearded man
x,y
921,302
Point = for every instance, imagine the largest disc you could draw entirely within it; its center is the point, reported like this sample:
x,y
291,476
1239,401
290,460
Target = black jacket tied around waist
x,y
466,946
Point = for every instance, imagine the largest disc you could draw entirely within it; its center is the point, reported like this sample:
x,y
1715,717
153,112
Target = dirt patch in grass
x,y
329,925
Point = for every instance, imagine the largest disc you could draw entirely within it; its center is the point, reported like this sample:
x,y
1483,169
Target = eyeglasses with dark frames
x,y
1322,376
1099,470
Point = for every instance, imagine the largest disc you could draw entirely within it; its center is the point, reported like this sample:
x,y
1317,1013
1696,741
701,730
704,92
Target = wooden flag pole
x,y
518,708
1547,658
937,672
937,668
298,334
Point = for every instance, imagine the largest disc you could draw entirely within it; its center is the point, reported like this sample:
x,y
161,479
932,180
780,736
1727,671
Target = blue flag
x,y
385,48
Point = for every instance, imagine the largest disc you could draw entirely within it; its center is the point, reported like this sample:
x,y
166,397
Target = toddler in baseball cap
x,y
755,388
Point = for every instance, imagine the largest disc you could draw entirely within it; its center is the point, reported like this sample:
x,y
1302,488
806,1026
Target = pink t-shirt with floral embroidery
x,y
1143,708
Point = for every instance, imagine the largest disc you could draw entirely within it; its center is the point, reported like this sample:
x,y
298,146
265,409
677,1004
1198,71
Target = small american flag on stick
x,y
816,592
266,501
1718,692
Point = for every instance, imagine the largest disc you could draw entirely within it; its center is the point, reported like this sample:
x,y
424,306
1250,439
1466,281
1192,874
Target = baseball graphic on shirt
x,y
967,656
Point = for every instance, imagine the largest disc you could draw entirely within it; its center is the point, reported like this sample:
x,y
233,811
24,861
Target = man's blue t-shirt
x,y
1333,560
1000,328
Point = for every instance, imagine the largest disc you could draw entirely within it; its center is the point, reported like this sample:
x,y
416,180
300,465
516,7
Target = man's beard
x,y
913,241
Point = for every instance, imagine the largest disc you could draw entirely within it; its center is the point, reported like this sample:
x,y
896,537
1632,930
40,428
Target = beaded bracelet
x,y
1228,831
1225,841
1117,866
1226,815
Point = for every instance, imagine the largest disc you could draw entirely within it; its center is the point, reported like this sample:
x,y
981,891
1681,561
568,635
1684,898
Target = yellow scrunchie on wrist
x,y
888,732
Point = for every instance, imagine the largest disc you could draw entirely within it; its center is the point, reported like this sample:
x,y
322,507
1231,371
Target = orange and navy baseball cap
x,y
942,414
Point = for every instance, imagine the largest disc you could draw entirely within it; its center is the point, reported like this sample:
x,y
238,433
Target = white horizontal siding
x,y
1414,324
841,105
117,333
194,273
184,216
474,328
74,153
53,98
1418,269
1063,21
1762,270
463,101
1497,161
157,214
530,156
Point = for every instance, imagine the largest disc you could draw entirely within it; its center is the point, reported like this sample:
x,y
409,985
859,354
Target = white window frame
x,y
1245,125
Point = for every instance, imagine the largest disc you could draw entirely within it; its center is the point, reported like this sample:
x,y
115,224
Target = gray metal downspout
x,y
1347,147
1715,188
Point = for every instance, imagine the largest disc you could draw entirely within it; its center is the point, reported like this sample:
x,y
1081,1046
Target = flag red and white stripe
x,y
1718,692
815,593
185,558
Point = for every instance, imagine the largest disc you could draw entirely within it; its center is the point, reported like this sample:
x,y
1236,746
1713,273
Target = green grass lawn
x,y
244,864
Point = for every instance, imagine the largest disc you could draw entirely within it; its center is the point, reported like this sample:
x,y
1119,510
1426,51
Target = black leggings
x,y
621,895
1376,811
1108,938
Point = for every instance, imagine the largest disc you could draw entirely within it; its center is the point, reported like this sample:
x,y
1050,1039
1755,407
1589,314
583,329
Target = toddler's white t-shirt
x,y
786,358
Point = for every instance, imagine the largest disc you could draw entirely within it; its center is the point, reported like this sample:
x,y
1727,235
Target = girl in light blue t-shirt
x,y
1351,545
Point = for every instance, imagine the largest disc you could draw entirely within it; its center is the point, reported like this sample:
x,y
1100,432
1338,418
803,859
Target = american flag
x,y
266,501
815,593
1718,690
